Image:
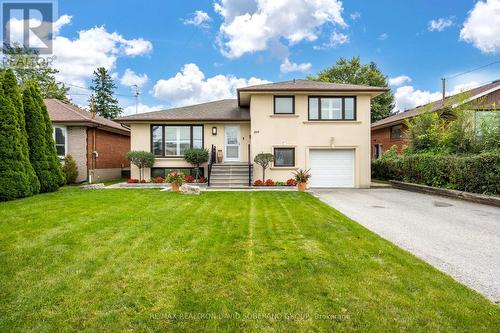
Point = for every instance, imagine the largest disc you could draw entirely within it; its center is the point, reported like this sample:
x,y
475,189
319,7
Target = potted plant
x,y
176,179
301,178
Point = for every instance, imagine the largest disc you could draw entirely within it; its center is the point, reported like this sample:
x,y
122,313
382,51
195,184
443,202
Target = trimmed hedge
x,y
471,173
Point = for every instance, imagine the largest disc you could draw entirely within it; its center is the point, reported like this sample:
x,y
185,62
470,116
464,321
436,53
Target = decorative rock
x,y
190,189
99,186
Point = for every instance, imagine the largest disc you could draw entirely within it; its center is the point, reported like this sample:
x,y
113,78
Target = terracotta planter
x,y
175,187
301,187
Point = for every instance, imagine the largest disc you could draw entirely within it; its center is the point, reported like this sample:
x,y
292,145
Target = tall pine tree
x,y
11,91
14,182
103,87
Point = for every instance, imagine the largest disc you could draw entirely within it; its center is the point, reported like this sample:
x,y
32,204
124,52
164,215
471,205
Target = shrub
x,y
270,182
175,178
143,181
258,182
159,179
141,159
202,180
301,176
280,184
263,159
11,91
189,179
471,173
196,157
291,182
132,181
70,169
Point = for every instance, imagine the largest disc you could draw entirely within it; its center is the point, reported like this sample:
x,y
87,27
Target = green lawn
x,y
120,260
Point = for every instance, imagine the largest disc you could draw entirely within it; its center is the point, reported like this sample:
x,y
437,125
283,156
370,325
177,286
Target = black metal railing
x,y
211,161
249,167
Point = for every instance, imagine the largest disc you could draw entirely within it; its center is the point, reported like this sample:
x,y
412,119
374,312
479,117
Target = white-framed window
x,y
61,140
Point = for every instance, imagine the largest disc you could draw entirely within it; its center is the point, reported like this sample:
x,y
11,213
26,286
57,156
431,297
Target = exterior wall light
x,y
214,130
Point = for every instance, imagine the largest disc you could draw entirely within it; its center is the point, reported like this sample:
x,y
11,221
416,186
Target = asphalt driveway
x,y
458,237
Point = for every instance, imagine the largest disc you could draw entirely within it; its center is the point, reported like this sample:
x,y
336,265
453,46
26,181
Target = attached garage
x,y
331,167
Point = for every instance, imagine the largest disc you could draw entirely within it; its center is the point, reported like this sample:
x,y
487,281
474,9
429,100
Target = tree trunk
x,y
263,174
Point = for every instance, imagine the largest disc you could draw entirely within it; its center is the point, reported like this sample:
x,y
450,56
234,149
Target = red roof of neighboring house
x,y
64,112
437,105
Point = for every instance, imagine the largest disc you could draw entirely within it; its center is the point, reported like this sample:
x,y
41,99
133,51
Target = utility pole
x,y
443,88
136,95
92,110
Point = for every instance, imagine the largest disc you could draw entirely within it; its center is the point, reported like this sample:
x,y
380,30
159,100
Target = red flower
x,y
258,182
290,182
270,182
132,181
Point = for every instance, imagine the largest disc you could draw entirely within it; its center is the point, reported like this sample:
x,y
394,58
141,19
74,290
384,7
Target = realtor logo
x,y
28,24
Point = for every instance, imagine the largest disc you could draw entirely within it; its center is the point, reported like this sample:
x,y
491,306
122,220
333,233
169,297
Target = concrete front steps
x,y
229,175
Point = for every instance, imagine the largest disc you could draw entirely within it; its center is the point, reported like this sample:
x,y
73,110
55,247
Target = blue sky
x,y
194,51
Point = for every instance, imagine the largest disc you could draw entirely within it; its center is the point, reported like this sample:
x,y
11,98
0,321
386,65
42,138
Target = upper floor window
x,y
174,140
284,104
397,132
60,141
332,108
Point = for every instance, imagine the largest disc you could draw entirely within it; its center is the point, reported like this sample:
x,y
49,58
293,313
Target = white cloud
x,y
336,39
199,19
407,97
15,30
399,80
130,79
288,67
141,108
383,36
440,24
77,58
355,16
190,86
251,26
482,27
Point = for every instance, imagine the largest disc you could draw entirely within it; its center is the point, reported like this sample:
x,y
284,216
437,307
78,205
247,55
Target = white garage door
x,y
331,167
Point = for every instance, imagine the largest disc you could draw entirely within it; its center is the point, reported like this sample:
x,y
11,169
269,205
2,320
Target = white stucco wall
x,y
269,131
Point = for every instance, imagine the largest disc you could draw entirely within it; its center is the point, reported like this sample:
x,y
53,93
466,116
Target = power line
x,y
473,70
86,88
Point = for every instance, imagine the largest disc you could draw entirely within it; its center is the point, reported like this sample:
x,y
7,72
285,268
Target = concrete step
x,y
229,177
228,183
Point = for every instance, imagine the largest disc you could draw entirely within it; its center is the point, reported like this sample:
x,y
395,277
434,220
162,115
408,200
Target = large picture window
x,y
332,108
284,157
174,140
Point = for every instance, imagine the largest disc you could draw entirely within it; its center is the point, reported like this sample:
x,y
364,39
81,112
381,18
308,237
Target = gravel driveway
x,y
458,237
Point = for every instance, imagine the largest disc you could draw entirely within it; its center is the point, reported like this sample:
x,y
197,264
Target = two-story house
x,y
324,127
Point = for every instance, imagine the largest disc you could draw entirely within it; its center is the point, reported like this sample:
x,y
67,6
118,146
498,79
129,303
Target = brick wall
x,y
112,149
383,136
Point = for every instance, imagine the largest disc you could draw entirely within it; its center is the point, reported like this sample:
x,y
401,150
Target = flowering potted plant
x,y
176,179
301,178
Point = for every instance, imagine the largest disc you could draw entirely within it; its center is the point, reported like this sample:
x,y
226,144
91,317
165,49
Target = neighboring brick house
x,y
98,145
390,131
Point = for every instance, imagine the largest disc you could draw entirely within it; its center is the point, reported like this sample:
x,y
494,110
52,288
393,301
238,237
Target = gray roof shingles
x,y
222,110
309,85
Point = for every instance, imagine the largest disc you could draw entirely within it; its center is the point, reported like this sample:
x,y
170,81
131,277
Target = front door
x,y
232,143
